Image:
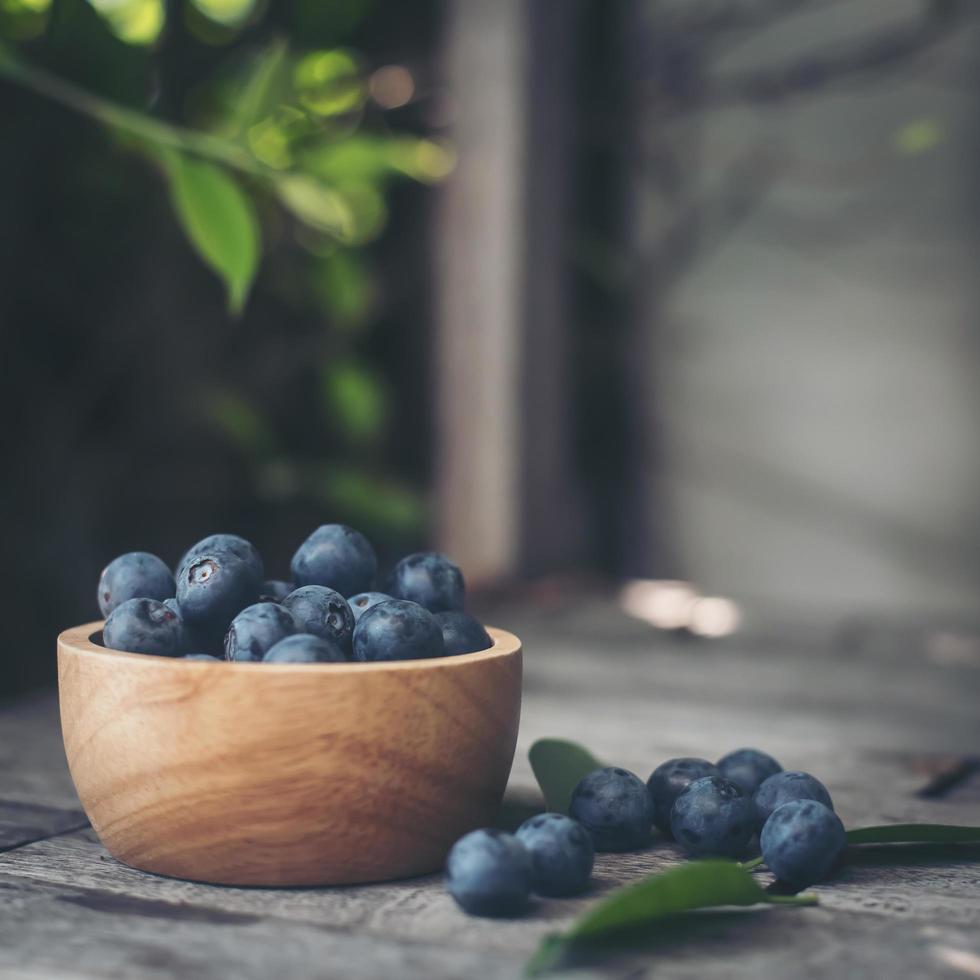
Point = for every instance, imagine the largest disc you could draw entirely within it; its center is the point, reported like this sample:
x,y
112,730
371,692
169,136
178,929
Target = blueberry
x,y
615,807
802,841
489,872
322,612
669,780
461,633
748,768
363,601
397,630
257,628
200,656
338,557
304,648
713,816
213,588
430,579
561,852
193,639
784,787
273,590
237,545
135,575
143,626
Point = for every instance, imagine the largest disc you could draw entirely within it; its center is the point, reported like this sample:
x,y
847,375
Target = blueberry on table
x,y
256,629
322,612
748,768
363,601
489,873
304,648
213,588
461,633
614,806
237,545
397,630
669,780
430,579
135,575
784,787
801,842
200,656
143,626
338,557
274,590
561,853
713,816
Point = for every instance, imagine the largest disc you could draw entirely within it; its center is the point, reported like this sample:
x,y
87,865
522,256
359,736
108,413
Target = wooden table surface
x,y
875,724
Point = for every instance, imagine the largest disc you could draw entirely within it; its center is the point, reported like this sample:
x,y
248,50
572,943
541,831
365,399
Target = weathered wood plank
x,y
24,823
32,760
69,931
873,727
851,934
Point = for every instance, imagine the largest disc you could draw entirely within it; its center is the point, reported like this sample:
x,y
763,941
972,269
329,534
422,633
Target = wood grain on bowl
x,y
287,774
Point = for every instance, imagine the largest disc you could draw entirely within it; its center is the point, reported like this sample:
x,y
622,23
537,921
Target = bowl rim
x,y
78,641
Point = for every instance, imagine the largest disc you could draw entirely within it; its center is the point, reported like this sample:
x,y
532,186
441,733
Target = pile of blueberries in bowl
x,y
709,809
219,604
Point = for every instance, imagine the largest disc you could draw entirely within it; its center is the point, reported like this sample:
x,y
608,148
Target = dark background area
x,y
661,148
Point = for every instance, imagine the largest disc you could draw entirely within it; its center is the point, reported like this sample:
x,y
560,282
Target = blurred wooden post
x,y
503,485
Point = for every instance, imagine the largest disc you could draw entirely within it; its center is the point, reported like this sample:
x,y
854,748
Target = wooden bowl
x,y
287,774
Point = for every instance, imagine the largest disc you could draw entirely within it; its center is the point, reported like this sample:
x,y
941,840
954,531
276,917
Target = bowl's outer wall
x,y
287,775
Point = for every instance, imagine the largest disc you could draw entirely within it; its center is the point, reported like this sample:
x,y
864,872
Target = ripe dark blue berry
x,y
669,780
363,601
256,629
713,816
213,588
561,853
462,633
192,639
748,768
304,648
614,806
237,545
143,626
783,787
801,842
135,575
338,557
430,579
397,630
322,612
274,590
489,872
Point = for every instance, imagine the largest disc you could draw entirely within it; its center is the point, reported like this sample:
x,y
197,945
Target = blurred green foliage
x,y
280,147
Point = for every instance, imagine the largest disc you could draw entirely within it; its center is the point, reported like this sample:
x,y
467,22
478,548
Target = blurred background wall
x,y
658,290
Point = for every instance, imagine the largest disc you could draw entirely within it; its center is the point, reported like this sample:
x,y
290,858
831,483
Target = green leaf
x,y
354,397
696,885
914,833
558,766
219,219
258,93
242,424
316,205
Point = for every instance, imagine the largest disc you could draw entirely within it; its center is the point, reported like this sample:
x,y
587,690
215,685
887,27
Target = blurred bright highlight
x,y
133,21
392,86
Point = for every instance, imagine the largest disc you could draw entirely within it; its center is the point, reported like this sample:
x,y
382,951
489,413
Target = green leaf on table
x,y
692,886
219,220
558,766
914,833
